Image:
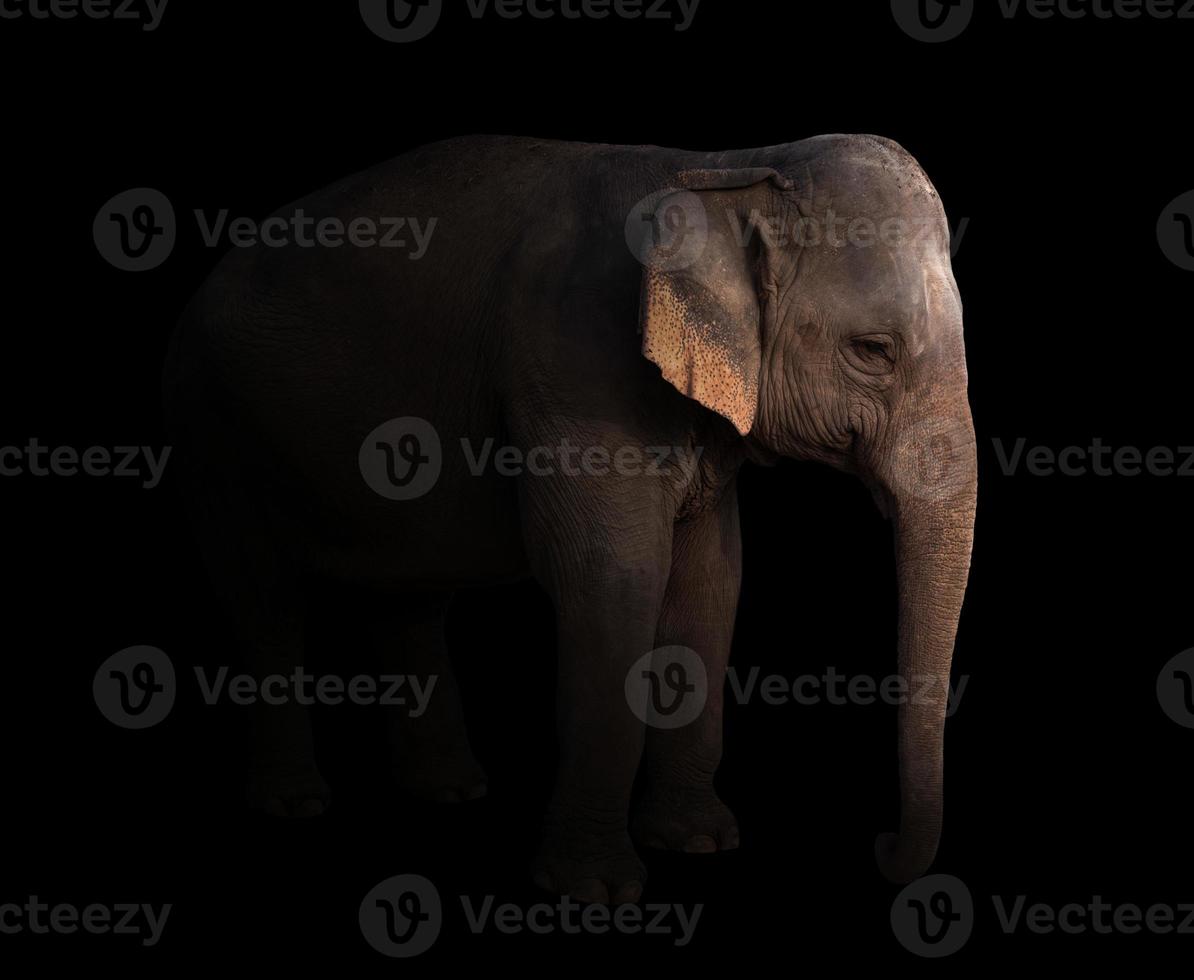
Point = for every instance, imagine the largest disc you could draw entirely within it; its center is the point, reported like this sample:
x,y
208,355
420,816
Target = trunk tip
x,y
900,862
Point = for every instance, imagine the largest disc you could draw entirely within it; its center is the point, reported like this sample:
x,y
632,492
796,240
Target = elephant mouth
x,y
882,501
850,454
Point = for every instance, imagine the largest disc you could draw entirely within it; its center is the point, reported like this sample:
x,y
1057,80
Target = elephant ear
x,y
699,310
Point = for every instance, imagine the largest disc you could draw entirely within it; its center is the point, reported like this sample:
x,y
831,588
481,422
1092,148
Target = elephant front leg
x,y
601,549
604,625
679,808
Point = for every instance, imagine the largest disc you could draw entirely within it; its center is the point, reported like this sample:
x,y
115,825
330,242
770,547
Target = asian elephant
x,y
574,308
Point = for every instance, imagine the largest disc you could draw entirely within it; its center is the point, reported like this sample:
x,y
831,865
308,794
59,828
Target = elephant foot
x,y
594,864
453,777
685,818
289,791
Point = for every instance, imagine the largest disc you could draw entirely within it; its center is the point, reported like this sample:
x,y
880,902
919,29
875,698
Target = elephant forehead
x,y
862,178
883,275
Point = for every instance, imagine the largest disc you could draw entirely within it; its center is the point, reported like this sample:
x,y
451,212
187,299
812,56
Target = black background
x,y
1061,141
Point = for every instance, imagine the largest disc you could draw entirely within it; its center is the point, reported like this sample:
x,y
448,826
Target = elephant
x,y
793,301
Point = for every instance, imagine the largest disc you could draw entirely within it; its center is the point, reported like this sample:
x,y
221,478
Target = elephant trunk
x,y
932,490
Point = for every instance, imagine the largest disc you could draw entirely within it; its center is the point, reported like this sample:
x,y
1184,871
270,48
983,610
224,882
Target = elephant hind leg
x,y
260,596
429,745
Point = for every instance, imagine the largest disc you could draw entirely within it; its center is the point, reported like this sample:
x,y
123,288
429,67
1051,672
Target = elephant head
x,y
811,302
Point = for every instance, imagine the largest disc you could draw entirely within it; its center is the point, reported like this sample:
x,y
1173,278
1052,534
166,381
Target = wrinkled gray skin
x,y
526,321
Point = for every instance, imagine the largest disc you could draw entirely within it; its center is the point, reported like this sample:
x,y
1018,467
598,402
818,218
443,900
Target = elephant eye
x,y
875,347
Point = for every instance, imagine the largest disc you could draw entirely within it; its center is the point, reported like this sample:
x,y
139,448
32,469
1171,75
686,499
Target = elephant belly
x,y
397,510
